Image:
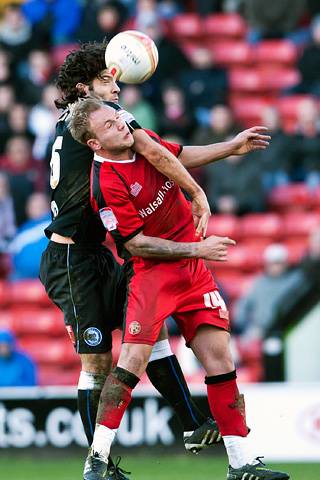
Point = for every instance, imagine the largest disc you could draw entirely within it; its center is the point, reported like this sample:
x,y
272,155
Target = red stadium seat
x,y
277,79
276,52
243,257
295,196
55,375
224,225
35,321
3,293
224,25
246,80
60,52
260,80
231,53
6,319
248,110
189,47
288,109
300,223
49,352
28,292
186,26
234,284
261,225
297,248
315,197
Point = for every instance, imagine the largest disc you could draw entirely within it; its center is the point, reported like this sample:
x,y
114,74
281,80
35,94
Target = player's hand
x,y
254,138
215,248
200,212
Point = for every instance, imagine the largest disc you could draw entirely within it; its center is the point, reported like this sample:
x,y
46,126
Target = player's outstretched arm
x,y
166,163
254,138
212,248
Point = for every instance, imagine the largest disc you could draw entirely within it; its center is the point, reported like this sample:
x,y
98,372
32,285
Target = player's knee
x,y
96,362
134,358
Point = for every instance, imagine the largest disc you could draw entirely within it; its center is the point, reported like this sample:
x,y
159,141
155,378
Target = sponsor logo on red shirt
x,y
152,207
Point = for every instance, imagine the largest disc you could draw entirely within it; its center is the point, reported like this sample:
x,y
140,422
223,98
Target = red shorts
x,y
184,289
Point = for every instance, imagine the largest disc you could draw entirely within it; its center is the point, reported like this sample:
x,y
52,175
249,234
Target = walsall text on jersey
x,y
152,207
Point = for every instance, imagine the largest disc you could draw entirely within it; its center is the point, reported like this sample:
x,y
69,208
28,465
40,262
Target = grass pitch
x,y
163,467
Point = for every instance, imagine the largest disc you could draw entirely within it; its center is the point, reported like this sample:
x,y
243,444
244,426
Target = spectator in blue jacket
x,y
30,240
62,15
16,368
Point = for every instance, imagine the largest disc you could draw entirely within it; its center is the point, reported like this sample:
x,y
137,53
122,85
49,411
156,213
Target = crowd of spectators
x,y
187,100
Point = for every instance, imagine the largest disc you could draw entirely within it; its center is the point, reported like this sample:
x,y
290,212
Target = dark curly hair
x,y
80,66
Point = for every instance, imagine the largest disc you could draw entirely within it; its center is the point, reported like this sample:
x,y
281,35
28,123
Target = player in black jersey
x,y
82,277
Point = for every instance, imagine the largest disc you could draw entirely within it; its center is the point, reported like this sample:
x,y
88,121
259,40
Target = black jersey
x,y
72,215
70,165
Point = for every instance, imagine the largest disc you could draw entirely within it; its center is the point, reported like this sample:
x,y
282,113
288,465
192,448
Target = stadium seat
x,y
297,248
300,223
270,52
189,47
231,53
186,26
277,79
59,53
224,225
49,352
28,292
234,284
247,109
261,225
224,25
245,257
295,196
288,109
55,375
38,321
6,319
3,293
246,80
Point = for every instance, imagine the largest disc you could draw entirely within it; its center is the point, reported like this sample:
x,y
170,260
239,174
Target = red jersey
x,y
132,196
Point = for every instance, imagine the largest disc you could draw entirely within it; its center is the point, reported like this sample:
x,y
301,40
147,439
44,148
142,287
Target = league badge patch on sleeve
x,y
108,219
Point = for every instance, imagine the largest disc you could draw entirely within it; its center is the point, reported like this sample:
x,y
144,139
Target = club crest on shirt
x,y
135,189
134,328
108,219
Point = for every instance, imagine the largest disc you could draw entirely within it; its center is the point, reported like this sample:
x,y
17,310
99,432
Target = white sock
x,y
102,440
160,350
238,450
91,381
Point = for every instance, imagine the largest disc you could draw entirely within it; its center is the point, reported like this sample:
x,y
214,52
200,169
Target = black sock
x,y
167,377
88,401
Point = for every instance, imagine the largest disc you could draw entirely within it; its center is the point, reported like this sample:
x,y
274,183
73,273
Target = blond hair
x,y
79,120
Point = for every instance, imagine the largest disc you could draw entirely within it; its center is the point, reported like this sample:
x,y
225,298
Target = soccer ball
x,y
131,56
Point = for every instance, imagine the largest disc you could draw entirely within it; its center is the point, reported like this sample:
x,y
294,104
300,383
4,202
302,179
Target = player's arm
x,y
123,221
212,248
166,163
254,138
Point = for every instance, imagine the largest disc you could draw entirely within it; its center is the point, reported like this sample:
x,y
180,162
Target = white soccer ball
x,y
131,57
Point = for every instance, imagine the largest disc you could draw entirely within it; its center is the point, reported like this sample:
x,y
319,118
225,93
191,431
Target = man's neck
x,y
116,156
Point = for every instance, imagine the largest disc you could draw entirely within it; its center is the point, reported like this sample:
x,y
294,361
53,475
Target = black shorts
x,y
89,286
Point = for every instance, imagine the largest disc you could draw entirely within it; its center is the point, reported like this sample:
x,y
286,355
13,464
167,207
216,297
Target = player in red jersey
x,y
151,221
